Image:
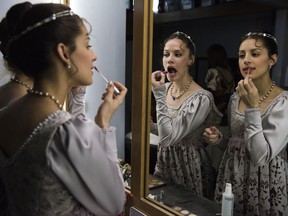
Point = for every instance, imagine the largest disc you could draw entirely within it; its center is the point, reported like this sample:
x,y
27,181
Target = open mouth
x,y
171,70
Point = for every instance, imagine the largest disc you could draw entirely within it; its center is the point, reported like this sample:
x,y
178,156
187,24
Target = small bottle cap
x,y
228,188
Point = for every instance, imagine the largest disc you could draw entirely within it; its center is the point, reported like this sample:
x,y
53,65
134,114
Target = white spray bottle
x,y
227,201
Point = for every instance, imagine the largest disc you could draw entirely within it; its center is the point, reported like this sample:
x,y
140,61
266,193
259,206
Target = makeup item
x,y
177,208
213,129
227,201
186,4
249,71
116,90
184,212
154,182
173,5
161,198
158,76
164,71
162,6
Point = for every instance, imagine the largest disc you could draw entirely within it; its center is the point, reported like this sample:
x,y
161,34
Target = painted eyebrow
x,y
178,50
252,50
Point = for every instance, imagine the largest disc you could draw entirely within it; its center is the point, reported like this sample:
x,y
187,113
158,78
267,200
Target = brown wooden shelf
x,y
225,9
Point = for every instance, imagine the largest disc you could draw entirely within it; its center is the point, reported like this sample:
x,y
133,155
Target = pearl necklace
x,y
267,93
40,93
13,79
187,87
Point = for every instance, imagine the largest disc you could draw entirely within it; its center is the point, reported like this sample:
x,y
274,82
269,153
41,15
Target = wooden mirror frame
x,y
141,110
67,2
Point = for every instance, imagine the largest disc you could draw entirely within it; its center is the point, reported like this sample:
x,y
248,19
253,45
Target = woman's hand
x,y
248,92
110,104
211,135
158,78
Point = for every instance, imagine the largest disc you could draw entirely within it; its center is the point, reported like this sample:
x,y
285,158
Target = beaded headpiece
x,y
187,37
262,34
43,22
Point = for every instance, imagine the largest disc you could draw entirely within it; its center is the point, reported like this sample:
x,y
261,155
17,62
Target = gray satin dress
x,y
181,157
68,166
255,160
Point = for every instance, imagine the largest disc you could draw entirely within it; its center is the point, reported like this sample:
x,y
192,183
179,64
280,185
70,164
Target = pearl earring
x,y
69,66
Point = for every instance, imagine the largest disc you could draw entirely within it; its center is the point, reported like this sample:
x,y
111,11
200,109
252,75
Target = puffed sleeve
x,y
266,137
171,130
153,128
84,157
76,103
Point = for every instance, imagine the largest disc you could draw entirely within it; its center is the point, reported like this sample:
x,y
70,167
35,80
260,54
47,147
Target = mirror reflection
x,y
184,109
190,87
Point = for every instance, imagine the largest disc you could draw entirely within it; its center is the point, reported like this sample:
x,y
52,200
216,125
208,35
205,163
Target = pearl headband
x,y
42,22
187,37
262,35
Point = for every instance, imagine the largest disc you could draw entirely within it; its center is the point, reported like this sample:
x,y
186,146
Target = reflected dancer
x,y
184,109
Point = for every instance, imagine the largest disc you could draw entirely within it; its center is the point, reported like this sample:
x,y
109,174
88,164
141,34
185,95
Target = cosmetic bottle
x,y
227,201
162,6
186,4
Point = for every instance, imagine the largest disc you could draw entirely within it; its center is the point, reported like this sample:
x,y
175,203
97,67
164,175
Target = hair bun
x,y
10,23
3,36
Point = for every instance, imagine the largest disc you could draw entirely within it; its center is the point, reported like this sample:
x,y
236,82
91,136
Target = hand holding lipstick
x,y
158,78
248,92
112,98
116,90
211,135
110,104
249,72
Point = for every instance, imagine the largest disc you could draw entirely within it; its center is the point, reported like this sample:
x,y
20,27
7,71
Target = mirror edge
x,y
141,109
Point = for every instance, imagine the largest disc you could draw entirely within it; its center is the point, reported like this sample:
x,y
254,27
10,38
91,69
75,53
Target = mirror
x,y
199,23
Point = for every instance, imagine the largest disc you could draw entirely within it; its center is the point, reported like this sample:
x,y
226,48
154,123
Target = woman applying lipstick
x,y
52,162
255,161
183,109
